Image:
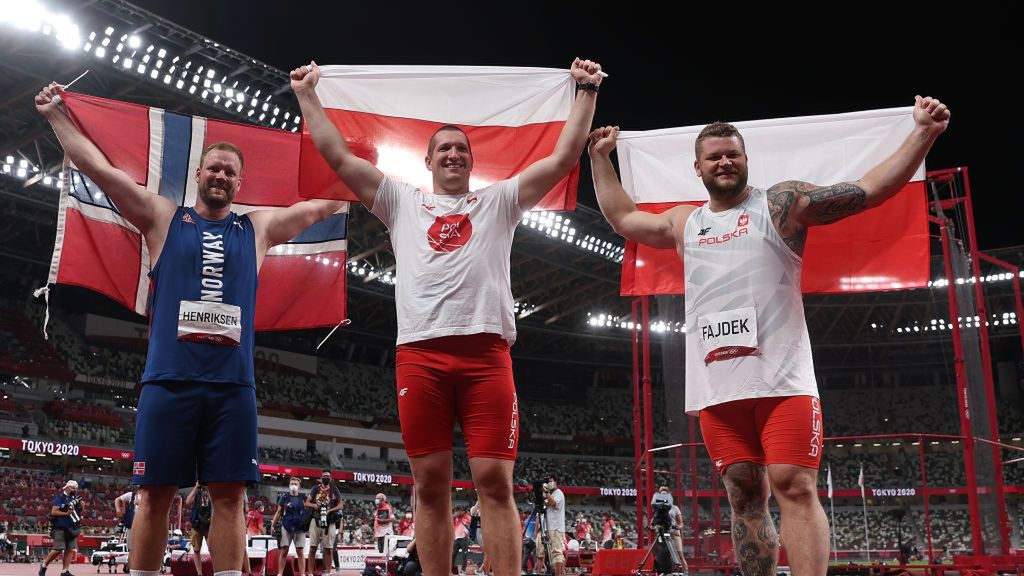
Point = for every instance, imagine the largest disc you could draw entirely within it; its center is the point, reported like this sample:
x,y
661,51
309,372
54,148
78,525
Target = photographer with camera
x,y
66,518
383,520
554,525
124,509
200,516
291,510
325,501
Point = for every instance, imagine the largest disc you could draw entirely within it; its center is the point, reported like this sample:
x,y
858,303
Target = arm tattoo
x,y
833,203
781,198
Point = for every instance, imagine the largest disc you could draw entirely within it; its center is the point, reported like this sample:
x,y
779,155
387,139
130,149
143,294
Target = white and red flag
x,y
886,248
512,116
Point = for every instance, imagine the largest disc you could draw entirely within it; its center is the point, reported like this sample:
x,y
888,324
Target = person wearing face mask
x,y
406,526
291,510
383,519
554,521
325,502
66,513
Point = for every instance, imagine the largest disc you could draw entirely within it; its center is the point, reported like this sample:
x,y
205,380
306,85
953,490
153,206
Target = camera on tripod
x,y
661,506
540,500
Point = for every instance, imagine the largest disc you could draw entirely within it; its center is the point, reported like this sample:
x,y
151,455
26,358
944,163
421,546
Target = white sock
x,y
225,573
144,573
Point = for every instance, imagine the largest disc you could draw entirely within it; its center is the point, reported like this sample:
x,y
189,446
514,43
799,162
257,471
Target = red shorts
x,y
782,430
463,377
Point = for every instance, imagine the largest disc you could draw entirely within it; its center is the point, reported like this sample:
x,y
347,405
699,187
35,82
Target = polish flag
x,y
885,248
513,117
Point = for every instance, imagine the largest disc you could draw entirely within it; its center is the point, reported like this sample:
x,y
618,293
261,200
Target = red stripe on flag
x,y
119,129
271,172
294,295
886,248
102,257
499,152
647,270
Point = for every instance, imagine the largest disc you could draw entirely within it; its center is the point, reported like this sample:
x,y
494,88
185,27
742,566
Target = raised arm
x,y
150,213
658,230
540,177
795,205
280,225
362,177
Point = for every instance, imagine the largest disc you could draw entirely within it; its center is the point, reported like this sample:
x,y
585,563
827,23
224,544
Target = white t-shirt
x,y
554,516
452,259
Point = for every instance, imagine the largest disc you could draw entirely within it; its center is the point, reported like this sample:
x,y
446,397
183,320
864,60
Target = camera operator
x,y
554,520
201,516
66,513
325,501
675,523
383,520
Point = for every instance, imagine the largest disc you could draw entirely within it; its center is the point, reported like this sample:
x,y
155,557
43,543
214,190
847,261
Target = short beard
x,y
725,193
215,203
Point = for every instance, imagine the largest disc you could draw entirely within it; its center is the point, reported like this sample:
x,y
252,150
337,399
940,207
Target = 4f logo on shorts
x,y
139,468
718,464
403,391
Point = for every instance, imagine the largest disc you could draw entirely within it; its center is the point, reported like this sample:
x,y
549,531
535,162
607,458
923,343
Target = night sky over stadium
x,y
707,63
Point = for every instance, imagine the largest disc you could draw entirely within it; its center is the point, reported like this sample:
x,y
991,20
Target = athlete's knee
x,y
795,484
493,482
156,499
433,475
747,487
226,497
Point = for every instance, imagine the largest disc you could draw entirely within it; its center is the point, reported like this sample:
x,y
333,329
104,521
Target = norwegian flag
x,y
139,468
98,249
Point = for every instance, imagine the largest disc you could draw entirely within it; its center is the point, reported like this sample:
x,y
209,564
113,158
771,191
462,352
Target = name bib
x,y
729,334
210,322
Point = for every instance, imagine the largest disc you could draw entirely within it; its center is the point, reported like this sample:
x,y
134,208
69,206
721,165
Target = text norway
x,y
213,255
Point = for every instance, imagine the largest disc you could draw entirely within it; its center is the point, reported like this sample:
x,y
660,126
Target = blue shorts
x,y
188,431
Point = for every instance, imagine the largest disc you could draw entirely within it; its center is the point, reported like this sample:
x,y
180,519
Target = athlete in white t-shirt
x,y
748,358
455,311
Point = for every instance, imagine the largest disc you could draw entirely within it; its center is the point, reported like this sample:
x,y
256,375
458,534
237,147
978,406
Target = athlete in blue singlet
x,y
199,371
